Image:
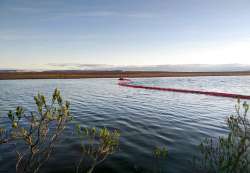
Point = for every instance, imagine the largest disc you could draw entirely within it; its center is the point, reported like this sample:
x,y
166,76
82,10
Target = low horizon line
x,y
114,65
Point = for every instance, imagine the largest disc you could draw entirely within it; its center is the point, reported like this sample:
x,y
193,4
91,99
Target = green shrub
x,y
159,154
3,136
96,145
229,154
38,131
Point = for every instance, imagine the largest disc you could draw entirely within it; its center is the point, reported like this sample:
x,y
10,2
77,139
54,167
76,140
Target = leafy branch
x,y
38,131
97,145
229,154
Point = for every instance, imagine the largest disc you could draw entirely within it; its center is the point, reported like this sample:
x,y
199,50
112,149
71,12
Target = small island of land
x,y
10,75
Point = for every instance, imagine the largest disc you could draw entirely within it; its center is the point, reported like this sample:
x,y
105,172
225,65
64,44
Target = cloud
x,y
173,67
13,36
21,36
78,66
48,12
101,14
26,9
78,12
110,13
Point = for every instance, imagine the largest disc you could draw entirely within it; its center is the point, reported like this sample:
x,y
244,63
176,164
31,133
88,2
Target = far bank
x,y
110,74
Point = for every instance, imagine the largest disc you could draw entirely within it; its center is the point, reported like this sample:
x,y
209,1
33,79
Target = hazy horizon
x,y
165,67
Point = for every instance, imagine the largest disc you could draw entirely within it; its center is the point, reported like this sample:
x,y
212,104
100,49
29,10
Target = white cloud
x,y
99,14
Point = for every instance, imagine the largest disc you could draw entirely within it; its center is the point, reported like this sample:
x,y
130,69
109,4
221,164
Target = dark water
x,y
145,118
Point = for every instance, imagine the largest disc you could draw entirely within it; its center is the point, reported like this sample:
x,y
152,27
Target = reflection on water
x,y
145,118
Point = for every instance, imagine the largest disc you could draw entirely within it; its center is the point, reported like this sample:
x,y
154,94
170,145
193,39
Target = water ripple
x,y
145,118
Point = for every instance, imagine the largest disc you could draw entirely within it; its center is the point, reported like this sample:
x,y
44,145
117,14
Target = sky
x,y
35,34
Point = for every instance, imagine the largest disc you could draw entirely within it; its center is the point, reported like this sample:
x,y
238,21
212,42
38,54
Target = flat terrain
x,y
110,74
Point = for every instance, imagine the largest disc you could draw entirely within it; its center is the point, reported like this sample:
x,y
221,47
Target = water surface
x,y
145,118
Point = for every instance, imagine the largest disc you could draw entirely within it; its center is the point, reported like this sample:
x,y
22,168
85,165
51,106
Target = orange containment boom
x,y
127,83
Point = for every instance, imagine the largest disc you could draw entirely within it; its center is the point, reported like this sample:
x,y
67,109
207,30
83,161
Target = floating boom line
x,y
127,83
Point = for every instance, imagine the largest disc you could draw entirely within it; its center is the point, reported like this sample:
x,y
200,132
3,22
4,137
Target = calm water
x,y
145,118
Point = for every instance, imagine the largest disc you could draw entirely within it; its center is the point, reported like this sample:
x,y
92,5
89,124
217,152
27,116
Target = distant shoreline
x,y
110,74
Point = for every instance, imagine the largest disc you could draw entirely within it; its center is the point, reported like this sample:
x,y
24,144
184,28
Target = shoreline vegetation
x,y
6,75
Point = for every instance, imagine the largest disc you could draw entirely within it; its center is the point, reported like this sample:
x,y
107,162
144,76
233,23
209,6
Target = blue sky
x,y
124,32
